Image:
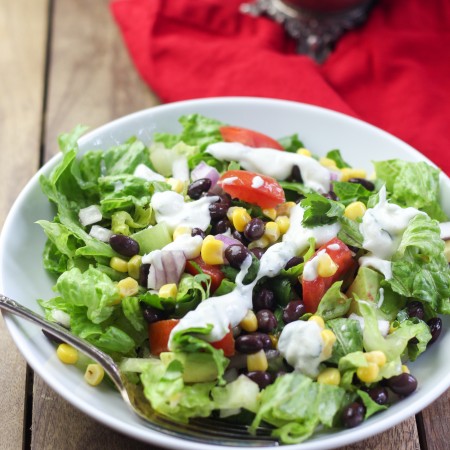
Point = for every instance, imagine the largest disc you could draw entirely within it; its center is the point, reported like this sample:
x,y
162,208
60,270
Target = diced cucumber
x,y
153,238
198,367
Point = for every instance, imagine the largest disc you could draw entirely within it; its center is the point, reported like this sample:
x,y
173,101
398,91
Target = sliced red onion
x,y
166,267
203,170
334,176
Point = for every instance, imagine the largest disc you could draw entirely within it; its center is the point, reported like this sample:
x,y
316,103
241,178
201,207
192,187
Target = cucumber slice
x,y
153,238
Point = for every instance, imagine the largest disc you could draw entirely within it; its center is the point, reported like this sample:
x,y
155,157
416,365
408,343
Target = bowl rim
x,y
13,324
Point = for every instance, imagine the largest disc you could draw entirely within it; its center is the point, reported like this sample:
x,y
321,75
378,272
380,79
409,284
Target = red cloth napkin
x,y
393,72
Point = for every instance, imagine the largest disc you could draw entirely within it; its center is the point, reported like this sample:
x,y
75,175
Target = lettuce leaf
x,y
419,267
412,184
334,303
348,337
320,210
296,406
291,143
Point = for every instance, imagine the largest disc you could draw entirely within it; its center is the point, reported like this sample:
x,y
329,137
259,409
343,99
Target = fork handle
x,y
108,364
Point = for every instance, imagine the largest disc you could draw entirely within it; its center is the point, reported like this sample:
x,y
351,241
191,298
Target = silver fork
x,y
211,431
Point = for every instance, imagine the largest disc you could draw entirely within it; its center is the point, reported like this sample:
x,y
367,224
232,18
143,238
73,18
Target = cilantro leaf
x,y
320,210
291,143
351,192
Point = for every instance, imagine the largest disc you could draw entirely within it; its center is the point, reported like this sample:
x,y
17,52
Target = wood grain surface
x,y
23,32
90,79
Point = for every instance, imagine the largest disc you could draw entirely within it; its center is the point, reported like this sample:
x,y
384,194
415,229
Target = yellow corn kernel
x,y
355,210
304,152
175,185
271,213
272,232
405,368
377,357
326,267
168,290
347,173
369,373
134,266
274,340
330,375
180,230
283,223
329,338
67,354
212,251
128,287
327,162
118,264
230,212
257,361
249,323
284,209
318,320
262,242
94,374
240,218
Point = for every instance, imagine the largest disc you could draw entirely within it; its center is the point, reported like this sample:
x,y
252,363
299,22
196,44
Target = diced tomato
x,y
252,187
213,271
158,335
226,344
314,290
249,137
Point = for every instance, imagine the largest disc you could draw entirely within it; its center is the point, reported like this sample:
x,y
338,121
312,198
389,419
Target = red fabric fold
x,y
393,72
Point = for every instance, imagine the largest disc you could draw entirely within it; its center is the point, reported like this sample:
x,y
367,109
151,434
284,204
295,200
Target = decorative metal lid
x,y
316,31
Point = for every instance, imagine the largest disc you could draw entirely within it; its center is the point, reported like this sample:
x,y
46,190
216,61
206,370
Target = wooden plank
x,y
436,423
92,80
23,27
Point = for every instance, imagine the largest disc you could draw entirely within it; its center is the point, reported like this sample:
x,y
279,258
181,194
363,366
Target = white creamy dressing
x,y
334,247
383,325
294,242
229,180
273,163
381,298
302,346
180,169
171,209
382,228
257,182
221,312
310,269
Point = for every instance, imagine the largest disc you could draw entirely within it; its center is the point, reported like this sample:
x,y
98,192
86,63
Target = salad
x,y
236,276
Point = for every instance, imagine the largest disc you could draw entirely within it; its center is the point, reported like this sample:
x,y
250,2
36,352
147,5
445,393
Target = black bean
x,y
264,299
124,245
294,261
266,341
151,314
143,274
239,237
254,229
198,187
415,309
296,174
403,384
258,252
363,182
223,198
262,379
249,343
379,395
220,227
54,339
198,232
331,196
236,255
435,325
293,311
266,320
353,415
218,211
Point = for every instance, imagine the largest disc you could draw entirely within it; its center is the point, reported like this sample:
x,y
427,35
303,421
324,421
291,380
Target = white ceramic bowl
x,y
24,279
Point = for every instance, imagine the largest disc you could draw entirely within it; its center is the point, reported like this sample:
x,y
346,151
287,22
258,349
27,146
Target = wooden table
x,y
63,63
